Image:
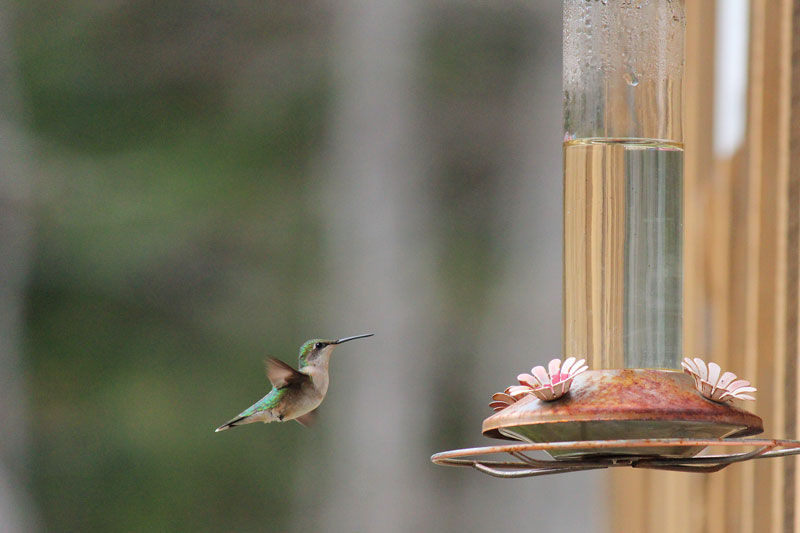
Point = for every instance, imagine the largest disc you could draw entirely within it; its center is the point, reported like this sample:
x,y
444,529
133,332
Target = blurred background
x,y
187,187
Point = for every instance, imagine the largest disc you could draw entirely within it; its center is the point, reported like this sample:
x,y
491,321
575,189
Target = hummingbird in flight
x,y
297,393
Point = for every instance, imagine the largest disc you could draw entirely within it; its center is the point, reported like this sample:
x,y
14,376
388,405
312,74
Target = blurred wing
x,y
282,375
308,419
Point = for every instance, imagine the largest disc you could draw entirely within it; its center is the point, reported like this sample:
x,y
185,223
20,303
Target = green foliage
x,y
175,218
165,271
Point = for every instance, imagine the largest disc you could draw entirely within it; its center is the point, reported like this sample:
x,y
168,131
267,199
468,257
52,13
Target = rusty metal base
x,y
526,466
629,406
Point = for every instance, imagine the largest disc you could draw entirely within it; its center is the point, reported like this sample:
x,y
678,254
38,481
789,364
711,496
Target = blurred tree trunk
x,y
377,210
16,513
378,207
523,325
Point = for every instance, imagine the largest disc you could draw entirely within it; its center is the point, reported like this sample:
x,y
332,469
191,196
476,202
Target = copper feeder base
x,y
524,465
623,405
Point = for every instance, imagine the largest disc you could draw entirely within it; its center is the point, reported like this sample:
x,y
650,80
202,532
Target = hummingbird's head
x,y
318,351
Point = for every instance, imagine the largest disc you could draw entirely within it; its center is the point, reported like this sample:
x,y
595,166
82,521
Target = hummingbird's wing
x,y
308,419
282,375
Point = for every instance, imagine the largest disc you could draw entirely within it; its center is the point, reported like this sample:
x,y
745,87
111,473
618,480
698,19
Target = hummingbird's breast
x,y
306,398
307,401
316,389
319,381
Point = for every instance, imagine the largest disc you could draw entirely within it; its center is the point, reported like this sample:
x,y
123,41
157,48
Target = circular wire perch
x,y
641,418
524,465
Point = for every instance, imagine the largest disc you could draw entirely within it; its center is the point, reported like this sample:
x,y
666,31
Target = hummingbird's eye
x,y
319,345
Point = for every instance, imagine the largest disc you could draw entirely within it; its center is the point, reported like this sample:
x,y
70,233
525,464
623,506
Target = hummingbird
x,y
297,393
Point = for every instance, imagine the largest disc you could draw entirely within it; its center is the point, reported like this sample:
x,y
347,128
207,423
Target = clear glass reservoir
x,y
623,182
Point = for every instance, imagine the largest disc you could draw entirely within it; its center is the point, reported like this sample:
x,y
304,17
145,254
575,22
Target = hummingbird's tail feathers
x,y
230,424
248,417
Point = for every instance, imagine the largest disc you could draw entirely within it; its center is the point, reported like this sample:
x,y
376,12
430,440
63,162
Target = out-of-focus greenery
x,y
176,144
171,234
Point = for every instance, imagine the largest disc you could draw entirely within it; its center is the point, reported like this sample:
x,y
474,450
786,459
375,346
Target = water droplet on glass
x,y
631,79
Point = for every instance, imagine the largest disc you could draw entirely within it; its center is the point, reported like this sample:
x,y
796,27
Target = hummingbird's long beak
x,y
354,337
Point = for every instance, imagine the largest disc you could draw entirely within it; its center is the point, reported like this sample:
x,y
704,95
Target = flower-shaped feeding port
x,y
547,385
514,393
714,385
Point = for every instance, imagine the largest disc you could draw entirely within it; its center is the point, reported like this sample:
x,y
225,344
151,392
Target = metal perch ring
x,y
526,466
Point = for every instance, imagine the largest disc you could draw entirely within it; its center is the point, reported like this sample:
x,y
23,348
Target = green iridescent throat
x,y
305,351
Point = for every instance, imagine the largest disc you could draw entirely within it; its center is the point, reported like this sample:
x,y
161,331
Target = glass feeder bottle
x,y
623,182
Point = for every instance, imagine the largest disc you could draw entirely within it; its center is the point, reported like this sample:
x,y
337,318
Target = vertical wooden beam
x,y
699,167
786,296
693,495
752,213
792,320
768,211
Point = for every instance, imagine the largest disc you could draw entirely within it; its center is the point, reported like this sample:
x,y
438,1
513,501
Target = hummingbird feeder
x,y
623,275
